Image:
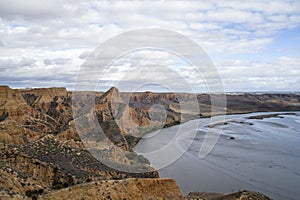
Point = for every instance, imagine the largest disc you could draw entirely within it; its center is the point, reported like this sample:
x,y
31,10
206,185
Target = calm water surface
x,y
254,154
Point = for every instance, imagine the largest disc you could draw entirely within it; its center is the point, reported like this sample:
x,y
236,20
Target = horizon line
x,y
144,91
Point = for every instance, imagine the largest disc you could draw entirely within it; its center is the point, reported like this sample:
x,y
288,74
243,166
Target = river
x,y
251,154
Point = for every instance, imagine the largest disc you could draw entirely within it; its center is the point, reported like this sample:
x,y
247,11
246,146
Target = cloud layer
x,y
43,43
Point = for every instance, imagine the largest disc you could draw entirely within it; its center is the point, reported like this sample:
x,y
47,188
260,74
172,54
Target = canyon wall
x,y
45,134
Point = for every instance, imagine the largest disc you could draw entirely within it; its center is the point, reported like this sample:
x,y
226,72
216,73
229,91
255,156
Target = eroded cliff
x,y
47,137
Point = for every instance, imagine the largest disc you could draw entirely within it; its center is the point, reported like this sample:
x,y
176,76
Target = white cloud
x,y
57,34
281,74
56,61
30,9
7,63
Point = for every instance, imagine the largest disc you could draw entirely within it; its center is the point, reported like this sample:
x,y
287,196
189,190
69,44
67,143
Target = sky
x,y
254,45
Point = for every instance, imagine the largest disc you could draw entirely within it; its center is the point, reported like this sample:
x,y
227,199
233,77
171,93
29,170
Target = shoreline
x,y
273,113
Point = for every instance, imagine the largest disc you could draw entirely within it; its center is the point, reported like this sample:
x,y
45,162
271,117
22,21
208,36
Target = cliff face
x,y
40,142
41,151
26,115
14,111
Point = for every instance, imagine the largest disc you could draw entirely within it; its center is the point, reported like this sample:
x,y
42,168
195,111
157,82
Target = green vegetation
x,y
76,138
33,192
137,159
172,124
131,141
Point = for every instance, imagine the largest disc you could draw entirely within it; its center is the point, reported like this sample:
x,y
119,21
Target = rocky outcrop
x,y
109,109
121,189
14,111
21,173
241,195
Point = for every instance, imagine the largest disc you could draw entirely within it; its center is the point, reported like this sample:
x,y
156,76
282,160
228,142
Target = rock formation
x,y
119,189
241,195
44,147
